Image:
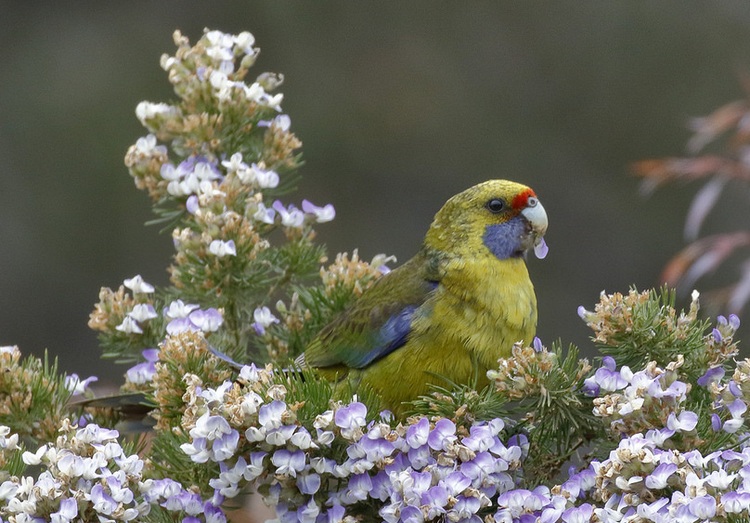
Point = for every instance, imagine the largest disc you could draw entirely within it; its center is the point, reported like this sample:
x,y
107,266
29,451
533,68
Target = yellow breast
x,y
479,310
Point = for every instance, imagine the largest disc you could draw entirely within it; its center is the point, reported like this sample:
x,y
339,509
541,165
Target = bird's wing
x,y
377,323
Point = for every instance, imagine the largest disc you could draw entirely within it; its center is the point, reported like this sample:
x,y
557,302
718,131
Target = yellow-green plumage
x,y
463,300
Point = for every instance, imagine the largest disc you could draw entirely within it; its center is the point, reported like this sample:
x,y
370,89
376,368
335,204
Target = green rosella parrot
x,y
460,303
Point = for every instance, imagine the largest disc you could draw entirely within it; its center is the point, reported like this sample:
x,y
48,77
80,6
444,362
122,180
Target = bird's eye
x,y
495,206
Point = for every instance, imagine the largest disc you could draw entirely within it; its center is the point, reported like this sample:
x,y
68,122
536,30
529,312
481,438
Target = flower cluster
x,y
33,395
216,162
633,402
354,273
422,471
87,475
644,480
617,315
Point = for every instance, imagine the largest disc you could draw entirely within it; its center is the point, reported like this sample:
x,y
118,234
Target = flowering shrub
x,y
654,432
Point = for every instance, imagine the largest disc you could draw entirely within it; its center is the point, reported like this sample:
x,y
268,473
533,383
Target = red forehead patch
x,y
521,200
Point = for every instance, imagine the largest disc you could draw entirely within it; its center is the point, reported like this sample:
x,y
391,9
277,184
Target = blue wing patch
x,y
390,337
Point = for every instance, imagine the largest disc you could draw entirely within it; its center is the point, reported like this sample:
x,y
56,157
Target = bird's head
x,y
503,216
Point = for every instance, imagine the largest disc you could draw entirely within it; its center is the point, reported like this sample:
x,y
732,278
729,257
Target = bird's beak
x,y
537,218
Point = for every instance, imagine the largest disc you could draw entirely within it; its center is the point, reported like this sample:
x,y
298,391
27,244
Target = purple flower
x,y
420,457
291,216
606,377
703,507
264,214
466,507
735,502
677,389
68,511
737,408
712,375
480,438
213,513
435,500
514,500
269,415
376,448
580,514
442,435
480,467
335,514
288,463
359,487
660,475
226,445
265,178
308,512
102,501
308,483
144,372
350,418
281,121
735,389
684,422
455,483
417,434
129,326
255,468
411,514
208,320
321,214
192,204
381,486
179,325
210,427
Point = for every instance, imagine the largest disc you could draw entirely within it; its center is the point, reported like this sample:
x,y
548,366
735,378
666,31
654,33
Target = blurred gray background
x,y
399,106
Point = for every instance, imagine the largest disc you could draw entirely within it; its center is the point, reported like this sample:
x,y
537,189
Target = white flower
x,y
274,102
145,111
76,385
146,146
234,163
137,285
129,326
220,248
34,458
179,309
264,317
322,214
265,178
245,41
143,312
265,215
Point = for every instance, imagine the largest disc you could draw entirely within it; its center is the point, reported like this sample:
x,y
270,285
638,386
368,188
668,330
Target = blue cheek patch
x,y
504,239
